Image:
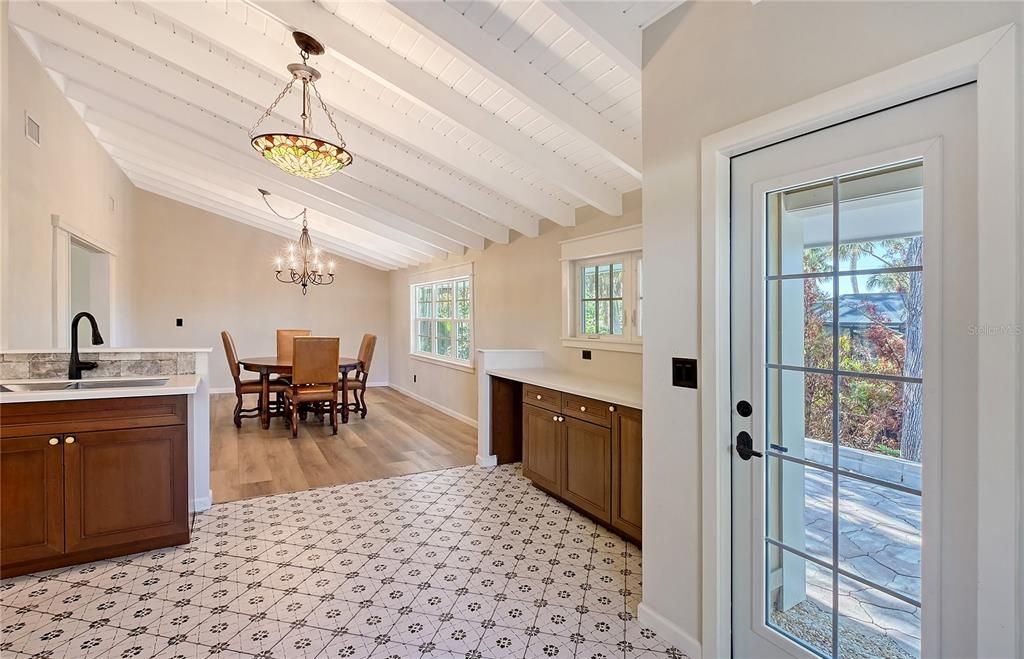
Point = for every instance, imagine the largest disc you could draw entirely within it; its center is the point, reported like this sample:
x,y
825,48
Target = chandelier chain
x,y
330,117
270,110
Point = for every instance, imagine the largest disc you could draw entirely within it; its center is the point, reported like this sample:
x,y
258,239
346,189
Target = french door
x,y
853,283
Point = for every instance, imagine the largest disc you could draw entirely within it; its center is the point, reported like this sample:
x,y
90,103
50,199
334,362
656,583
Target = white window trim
x,y
432,277
626,242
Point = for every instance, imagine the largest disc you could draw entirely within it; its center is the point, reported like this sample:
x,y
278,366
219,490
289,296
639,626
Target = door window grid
x,y
835,470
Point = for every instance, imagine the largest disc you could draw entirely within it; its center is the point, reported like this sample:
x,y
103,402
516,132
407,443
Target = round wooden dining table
x,y
283,366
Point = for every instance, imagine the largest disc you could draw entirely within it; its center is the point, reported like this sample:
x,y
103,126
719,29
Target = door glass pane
x,y
874,624
799,317
856,420
880,429
881,218
799,599
798,419
799,229
880,535
799,507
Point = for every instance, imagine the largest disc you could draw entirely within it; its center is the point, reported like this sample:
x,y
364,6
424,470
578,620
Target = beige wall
x,y
217,274
69,175
709,66
517,302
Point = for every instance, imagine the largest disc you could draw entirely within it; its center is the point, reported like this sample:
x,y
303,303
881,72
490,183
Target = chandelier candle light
x,y
302,155
304,261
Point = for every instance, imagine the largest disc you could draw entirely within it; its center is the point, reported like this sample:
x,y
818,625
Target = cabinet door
x,y
627,471
586,472
31,498
542,447
125,486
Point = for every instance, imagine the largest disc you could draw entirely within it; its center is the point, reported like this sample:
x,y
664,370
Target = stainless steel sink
x,y
83,384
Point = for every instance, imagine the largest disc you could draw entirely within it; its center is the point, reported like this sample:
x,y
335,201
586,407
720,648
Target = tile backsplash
x,y
40,365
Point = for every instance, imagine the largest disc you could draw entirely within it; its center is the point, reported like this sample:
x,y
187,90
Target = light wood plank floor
x,y
398,436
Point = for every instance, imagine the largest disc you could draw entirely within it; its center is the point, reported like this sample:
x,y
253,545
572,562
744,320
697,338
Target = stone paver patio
x,y
880,540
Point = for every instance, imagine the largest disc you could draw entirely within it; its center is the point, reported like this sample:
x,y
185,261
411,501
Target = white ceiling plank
x,y
155,38
191,198
603,24
392,70
527,82
160,104
256,90
347,99
157,167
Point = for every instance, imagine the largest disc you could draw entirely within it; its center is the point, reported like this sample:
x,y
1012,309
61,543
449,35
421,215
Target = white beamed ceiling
x,y
468,120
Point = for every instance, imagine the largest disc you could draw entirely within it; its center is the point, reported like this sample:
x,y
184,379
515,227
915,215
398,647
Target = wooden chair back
x,y
286,342
232,355
315,360
366,349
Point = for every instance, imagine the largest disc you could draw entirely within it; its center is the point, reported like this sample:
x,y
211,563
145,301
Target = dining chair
x,y
286,341
314,377
243,387
357,382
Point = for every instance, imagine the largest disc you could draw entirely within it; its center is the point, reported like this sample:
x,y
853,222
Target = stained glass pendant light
x,y
302,155
304,261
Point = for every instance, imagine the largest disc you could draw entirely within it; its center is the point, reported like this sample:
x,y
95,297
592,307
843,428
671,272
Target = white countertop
x,y
176,384
619,393
92,349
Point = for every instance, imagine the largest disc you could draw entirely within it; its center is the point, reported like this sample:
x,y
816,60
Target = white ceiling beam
x,y
239,195
198,200
391,210
159,103
395,72
482,51
603,25
146,36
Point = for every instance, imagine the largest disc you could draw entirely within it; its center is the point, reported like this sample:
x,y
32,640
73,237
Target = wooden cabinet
x,y
31,498
627,471
587,452
586,481
542,448
90,479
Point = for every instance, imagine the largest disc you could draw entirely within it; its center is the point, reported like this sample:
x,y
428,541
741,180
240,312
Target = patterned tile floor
x,y
465,562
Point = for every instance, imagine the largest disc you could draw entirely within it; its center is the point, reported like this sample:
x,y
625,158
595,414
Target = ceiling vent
x,y
31,129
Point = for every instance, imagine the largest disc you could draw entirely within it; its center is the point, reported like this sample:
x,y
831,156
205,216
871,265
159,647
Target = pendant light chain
x,y
330,117
270,110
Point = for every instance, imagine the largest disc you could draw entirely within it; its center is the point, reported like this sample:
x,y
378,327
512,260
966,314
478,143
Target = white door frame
x,y
990,60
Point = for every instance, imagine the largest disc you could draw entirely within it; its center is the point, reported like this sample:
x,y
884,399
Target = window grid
x,y
835,470
443,315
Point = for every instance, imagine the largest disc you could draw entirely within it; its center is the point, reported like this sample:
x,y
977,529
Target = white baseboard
x,y
440,408
199,504
383,383
669,631
487,460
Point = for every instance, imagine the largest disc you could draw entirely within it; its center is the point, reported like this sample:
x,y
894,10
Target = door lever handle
x,y
745,446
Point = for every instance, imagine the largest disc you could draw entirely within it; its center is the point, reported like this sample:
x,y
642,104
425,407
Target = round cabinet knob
x,y
54,441
554,418
611,408
561,418
69,440
539,396
583,408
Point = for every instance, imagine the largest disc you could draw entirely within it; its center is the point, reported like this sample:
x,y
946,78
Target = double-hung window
x,y
442,320
603,287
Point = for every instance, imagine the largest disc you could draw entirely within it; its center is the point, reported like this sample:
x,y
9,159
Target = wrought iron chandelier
x,y
302,155
303,260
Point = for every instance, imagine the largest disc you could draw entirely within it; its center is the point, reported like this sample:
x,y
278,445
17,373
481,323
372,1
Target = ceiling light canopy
x,y
302,155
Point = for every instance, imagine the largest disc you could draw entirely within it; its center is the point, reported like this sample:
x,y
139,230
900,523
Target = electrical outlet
x,y
179,322
414,378
587,354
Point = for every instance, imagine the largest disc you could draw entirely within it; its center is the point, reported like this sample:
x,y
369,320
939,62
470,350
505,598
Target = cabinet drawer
x,y
541,397
588,409
75,416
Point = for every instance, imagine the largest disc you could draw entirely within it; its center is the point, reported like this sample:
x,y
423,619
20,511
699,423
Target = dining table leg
x,y
344,396
265,399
